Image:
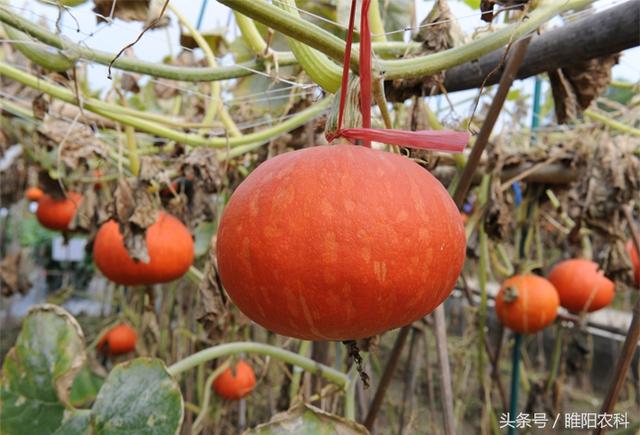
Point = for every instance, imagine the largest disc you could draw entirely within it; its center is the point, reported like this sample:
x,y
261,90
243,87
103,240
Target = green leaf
x,y
514,94
76,423
85,387
38,371
203,234
140,397
473,4
308,419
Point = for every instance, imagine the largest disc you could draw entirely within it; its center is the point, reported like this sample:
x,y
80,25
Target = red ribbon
x,y
441,140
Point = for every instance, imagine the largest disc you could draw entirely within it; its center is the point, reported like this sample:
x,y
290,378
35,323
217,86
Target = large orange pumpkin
x,y
581,286
170,248
339,242
635,260
235,384
527,303
56,214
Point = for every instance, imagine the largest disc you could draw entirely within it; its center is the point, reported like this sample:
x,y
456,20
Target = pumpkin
x,y
339,243
56,214
118,340
235,384
34,194
635,260
581,286
527,303
170,248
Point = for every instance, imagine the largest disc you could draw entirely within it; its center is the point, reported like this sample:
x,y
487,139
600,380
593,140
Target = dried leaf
x,y
212,312
576,86
85,217
130,10
40,106
486,7
11,280
79,142
129,83
135,210
438,31
203,167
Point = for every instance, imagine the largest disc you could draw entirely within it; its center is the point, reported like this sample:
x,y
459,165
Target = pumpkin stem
x,y
354,352
510,294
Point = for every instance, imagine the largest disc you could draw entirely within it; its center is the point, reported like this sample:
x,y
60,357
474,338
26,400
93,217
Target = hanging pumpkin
x,y
581,286
339,242
34,194
118,340
56,214
170,248
527,303
635,260
236,383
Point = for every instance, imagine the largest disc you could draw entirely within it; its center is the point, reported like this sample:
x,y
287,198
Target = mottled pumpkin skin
x,y
236,384
339,242
170,248
581,286
535,308
635,260
56,214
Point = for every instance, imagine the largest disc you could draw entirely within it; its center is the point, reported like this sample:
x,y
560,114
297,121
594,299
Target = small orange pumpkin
x,y
581,286
635,260
527,303
56,214
170,248
34,194
118,340
237,383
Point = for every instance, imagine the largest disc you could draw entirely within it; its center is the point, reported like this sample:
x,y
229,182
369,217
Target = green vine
x,y
110,111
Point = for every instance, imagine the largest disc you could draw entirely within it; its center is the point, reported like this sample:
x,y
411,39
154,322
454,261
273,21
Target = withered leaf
x,y
576,86
203,167
129,83
130,10
212,311
152,168
438,31
486,7
85,216
135,210
11,281
40,106
79,142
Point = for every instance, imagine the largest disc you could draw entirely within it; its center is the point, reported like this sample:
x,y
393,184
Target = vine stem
x,y
612,123
172,72
198,358
515,381
419,66
215,102
250,34
114,112
316,64
305,346
375,21
206,398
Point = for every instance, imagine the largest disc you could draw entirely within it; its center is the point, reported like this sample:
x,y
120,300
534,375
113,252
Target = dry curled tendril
x,y
354,352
